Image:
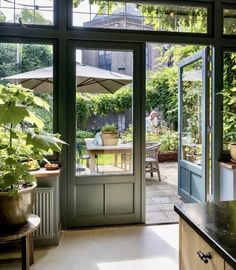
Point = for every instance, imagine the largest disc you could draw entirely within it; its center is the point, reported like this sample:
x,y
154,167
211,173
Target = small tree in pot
x,y
110,134
22,142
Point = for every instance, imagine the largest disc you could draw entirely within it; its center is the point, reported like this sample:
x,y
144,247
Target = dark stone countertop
x,y
215,223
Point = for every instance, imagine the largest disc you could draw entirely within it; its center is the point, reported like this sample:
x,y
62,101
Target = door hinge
x,y
209,73
209,129
209,197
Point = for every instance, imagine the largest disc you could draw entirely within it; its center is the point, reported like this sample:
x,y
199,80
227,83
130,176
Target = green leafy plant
x,y
83,134
169,141
110,128
22,137
229,99
166,136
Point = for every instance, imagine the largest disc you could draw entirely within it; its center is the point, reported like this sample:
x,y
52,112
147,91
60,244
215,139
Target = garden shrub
x,y
83,134
166,136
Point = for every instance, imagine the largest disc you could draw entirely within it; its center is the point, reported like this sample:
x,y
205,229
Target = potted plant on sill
x,y
22,142
109,134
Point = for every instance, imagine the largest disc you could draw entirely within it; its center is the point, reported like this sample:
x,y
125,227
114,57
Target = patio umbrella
x,y
88,79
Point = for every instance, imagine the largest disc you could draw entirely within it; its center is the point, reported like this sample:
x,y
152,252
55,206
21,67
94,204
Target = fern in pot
x,y
23,142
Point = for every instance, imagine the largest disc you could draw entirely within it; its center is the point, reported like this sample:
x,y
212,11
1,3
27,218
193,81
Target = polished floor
x,y
111,248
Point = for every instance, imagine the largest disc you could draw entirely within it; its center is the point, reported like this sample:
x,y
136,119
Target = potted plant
x,y
23,142
109,134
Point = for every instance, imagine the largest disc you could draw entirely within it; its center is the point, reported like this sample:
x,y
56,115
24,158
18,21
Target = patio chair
x,y
84,157
151,160
81,157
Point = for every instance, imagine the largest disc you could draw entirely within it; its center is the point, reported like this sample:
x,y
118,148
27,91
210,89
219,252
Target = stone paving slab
x,y
161,196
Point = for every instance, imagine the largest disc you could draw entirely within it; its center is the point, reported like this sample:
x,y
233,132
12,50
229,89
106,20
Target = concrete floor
x,y
116,248
161,196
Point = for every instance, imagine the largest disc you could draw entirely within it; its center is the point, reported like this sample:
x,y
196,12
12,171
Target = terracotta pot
x,y
233,151
109,138
15,210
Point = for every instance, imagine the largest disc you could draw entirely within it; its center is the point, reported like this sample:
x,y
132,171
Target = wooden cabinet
x,y
227,181
228,267
192,246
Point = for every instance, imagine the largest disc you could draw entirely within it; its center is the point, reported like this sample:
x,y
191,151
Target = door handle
x,y
204,257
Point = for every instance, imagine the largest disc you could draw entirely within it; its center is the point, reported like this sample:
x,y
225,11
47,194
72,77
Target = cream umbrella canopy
x,y
88,80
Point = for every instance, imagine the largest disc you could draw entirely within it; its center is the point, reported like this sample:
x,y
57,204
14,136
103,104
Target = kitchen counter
x,y
215,223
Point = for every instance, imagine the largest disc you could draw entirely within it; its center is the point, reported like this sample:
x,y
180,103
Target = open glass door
x,y
193,121
104,152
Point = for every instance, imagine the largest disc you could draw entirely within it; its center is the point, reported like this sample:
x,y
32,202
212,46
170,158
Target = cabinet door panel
x,y
190,244
215,263
188,247
228,267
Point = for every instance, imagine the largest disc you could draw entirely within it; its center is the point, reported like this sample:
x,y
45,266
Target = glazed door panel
x,y
193,87
105,175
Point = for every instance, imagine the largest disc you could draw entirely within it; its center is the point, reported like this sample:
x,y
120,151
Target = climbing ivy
x,y
101,104
229,98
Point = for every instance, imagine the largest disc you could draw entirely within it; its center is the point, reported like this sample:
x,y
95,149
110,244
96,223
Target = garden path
x,y
161,196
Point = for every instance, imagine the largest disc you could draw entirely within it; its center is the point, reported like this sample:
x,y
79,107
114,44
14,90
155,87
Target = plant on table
x,y
109,134
23,141
111,128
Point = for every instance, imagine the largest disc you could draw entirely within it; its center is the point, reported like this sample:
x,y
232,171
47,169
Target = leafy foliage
x,y
31,17
83,134
167,18
82,109
162,92
22,137
166,136
229,98
101,104
2,17
109,128
18,58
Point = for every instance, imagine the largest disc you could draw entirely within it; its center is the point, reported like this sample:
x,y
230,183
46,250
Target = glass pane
x,y
104,115
140,16
229,21
229,99
31,66
31,12
192,113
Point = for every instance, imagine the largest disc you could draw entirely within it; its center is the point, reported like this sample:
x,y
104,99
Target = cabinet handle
x,y
204,257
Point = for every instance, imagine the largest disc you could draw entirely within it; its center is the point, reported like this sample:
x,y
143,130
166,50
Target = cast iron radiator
x,y
44,208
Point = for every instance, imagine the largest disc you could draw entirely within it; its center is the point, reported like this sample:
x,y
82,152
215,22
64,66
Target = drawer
x,y
215,263
190,244
228,267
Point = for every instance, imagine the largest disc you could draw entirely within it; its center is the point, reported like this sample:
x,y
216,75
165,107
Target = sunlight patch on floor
x,y
164,263
171,237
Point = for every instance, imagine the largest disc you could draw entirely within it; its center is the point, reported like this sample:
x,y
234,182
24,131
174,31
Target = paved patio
x,y
161,196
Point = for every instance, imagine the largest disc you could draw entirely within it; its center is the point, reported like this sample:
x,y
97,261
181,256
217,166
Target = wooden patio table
x,y
96,149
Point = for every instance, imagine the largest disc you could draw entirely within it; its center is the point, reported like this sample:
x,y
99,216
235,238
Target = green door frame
x,y
137,178
63,31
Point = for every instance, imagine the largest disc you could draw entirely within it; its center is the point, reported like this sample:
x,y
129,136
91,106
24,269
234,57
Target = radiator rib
x,y
43,207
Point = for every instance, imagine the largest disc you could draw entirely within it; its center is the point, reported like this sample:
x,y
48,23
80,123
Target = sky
x,y
7,7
